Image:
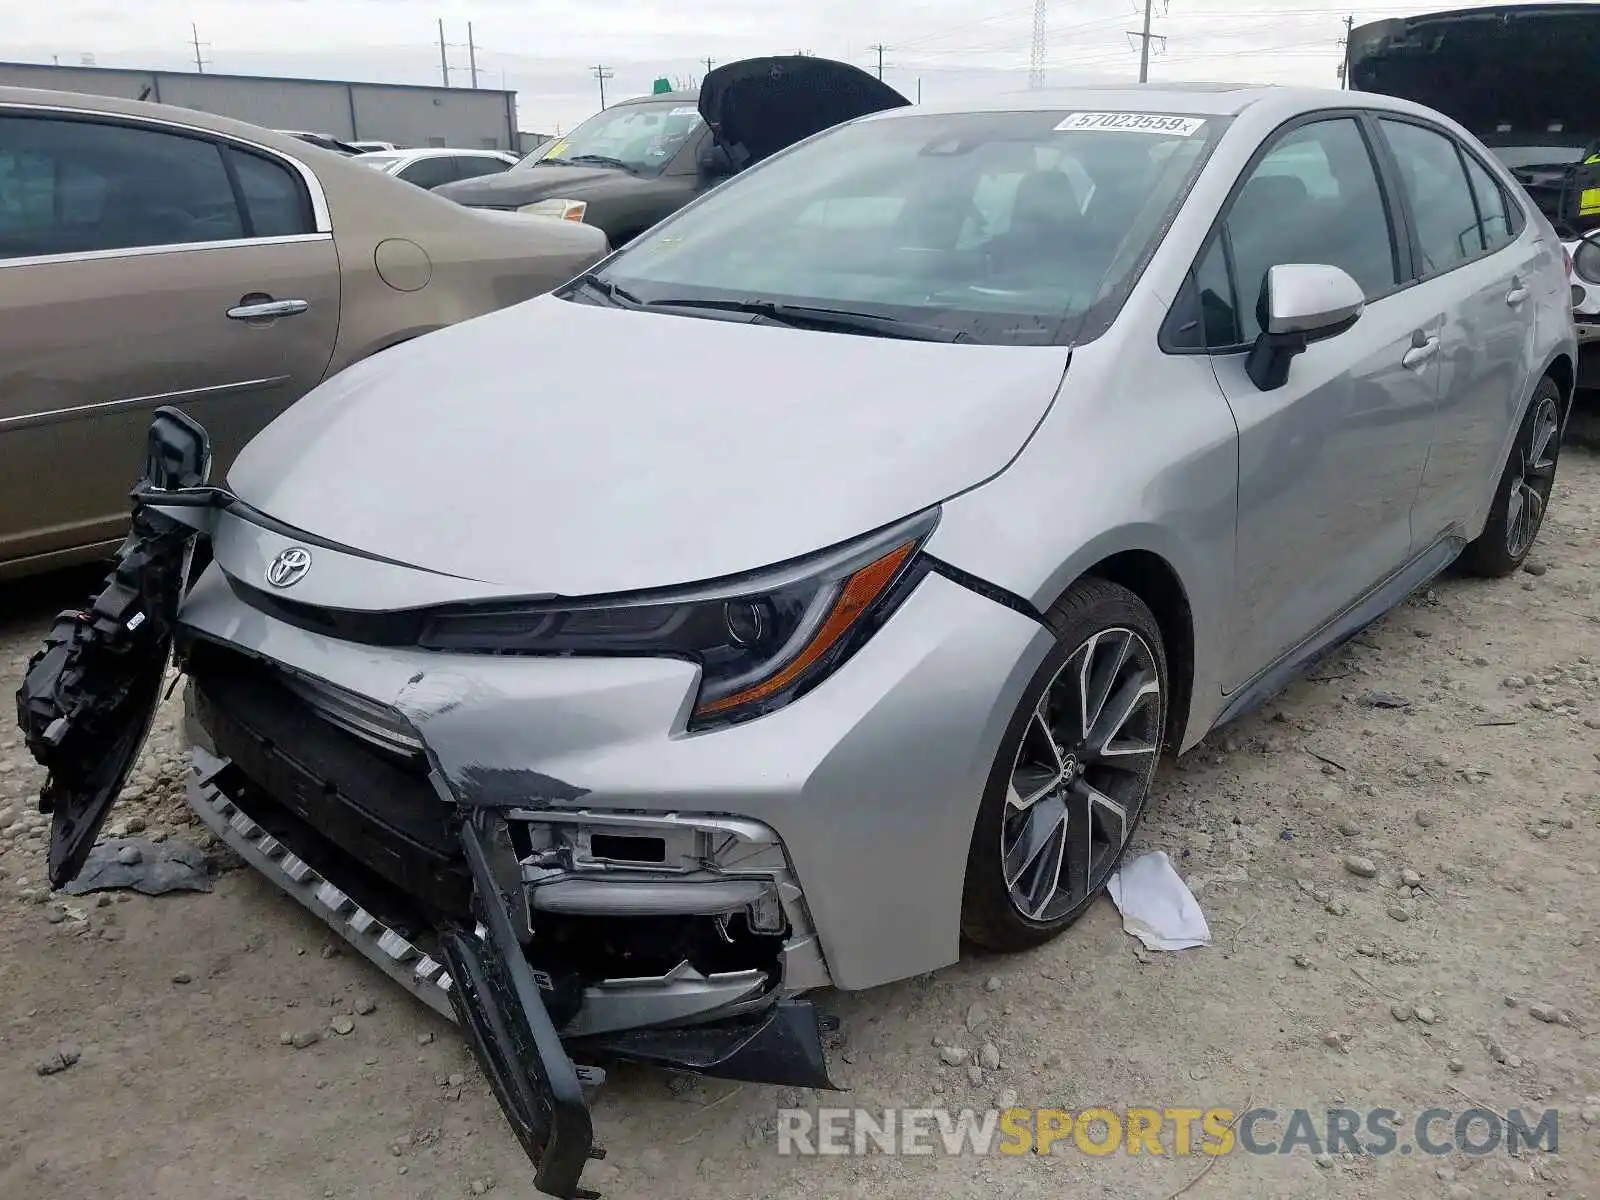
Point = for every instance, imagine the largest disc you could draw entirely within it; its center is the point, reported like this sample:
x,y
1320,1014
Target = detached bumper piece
x,y
780,1045
498,1004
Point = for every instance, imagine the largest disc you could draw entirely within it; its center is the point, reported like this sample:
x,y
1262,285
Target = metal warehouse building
x,y
405,114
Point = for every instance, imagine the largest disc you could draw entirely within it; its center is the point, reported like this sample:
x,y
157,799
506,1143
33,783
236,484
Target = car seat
x,y
1047,225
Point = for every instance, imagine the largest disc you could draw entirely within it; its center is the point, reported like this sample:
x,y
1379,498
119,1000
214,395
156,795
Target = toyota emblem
x,y
290,567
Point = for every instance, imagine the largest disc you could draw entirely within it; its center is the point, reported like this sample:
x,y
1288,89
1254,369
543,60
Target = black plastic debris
x,y
141,865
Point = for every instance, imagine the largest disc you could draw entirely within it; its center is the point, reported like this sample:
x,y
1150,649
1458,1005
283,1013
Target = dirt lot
x,y
1323,988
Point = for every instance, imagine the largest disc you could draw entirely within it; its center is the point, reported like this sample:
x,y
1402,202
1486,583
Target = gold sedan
x,y
153,255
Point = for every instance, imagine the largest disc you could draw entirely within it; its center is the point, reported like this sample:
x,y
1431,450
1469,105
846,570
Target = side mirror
x,y
177,452
1586,263
1300,303
715,162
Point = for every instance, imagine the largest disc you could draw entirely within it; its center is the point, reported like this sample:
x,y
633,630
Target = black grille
x,y
305,779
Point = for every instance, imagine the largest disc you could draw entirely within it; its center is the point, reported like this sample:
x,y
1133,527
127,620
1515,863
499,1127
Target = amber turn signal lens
x,y
859,593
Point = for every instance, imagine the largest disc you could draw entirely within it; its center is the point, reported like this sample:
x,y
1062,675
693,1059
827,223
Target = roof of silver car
x,y
1207,99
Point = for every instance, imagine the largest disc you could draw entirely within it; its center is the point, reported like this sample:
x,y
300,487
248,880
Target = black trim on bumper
x,y
499,1006
781,1045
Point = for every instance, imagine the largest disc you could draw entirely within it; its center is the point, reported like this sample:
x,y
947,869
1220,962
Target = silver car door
x,y
1329,463
1478,257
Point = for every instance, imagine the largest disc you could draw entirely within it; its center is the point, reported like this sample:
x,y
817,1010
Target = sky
x,y
949,50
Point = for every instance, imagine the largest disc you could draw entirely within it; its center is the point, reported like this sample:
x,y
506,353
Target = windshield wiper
x,y
839,320
613,292
599,160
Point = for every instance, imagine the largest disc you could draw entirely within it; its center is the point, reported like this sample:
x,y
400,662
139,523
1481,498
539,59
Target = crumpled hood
x,y
524,185
556,447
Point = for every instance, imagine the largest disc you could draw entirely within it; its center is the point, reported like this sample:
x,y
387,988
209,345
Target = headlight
x,y
1586,262
760,640
563,210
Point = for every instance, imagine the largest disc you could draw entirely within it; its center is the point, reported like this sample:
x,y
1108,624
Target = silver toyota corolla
x,y
828,591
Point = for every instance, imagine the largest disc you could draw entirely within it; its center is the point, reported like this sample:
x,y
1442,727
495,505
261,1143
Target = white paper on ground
x,y
1157,906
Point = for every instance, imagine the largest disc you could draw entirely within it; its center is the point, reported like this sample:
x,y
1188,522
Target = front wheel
x,y
1072,774
1523,494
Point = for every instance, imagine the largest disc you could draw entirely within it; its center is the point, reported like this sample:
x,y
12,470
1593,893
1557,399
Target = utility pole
x,y
472,55
880,48
444,61
194,40
603,73
919,89
709,62
1344,66
1145,39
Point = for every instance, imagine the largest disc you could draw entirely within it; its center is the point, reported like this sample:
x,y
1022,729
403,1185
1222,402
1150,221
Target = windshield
x,y
641,137
1019,228
1515,157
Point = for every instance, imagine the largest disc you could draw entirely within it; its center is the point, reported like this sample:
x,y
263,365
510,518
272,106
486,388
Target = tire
x,y
1059,810
1523,494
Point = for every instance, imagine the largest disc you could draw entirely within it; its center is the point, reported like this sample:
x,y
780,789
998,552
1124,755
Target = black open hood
x,y
758,106
1524,65
1515,75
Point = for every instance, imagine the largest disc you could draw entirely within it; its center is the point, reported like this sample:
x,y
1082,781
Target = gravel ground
x,y
1455,746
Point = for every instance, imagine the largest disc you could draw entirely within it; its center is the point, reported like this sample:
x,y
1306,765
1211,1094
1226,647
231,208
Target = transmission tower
x,y
1036,60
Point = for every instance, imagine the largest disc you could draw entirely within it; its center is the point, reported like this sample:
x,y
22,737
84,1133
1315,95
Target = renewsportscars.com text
x,y
1167,1131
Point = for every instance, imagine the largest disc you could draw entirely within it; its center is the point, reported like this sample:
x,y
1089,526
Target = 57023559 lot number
x,y
1132,122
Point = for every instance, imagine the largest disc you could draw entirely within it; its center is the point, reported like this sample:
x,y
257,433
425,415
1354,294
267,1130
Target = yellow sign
x,y
1589,202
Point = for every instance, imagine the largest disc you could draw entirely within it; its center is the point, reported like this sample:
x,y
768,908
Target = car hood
x,y
758,106
571,449
1523,66
524,185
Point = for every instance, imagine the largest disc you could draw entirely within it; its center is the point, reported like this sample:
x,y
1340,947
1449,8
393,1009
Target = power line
x,y
603,73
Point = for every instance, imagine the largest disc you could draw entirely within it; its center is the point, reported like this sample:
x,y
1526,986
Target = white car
x,y
1585,257
431,167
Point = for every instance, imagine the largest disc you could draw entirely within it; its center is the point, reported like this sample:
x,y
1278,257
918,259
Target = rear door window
x,y
1442,205
1494,206
473,167
430,172
274,195
74,186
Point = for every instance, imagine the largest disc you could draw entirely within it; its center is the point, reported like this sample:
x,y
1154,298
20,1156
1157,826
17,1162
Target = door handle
x,y
266,310
1517,295
1420,352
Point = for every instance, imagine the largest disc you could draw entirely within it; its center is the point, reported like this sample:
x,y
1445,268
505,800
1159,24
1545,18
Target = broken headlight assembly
x,y
760,640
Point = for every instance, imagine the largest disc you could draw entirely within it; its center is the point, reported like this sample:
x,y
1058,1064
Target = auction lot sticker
x,y
1132,122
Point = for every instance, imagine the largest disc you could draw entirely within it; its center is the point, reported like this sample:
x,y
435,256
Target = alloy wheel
x,y
1082,772
1536,476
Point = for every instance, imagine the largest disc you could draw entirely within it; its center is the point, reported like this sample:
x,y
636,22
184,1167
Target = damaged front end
x,y
552,935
